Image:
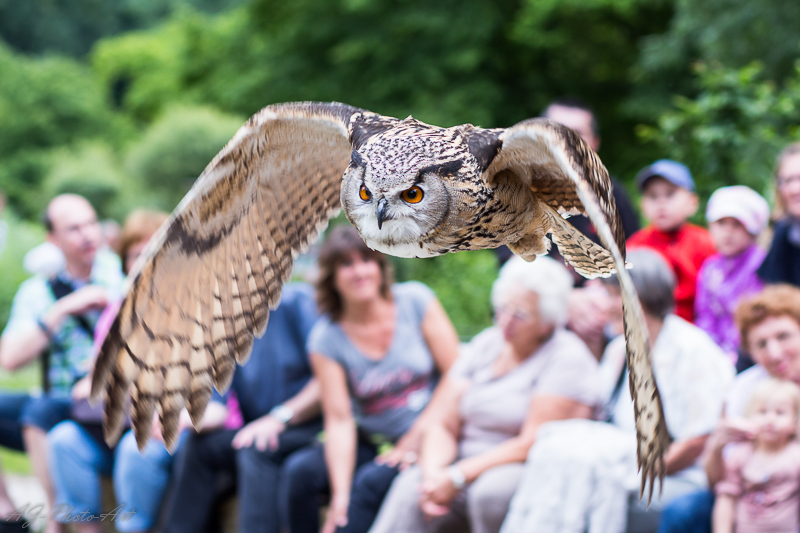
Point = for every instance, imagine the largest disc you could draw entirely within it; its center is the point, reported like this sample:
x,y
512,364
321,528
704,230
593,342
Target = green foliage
x,y
48,102
590,48
15,462
69,26
179,82
733,33
491,63
45,104
21,237
733,130
175,149
142,70
93,171
72,26
192,58
438,60
21,177
462,282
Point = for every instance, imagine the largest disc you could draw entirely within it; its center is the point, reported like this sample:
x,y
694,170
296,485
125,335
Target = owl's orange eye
x,y
364,194
413,195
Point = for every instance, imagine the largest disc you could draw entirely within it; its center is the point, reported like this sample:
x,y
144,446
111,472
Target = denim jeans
x,y
77,461
18,410
690,513
258,483
307,481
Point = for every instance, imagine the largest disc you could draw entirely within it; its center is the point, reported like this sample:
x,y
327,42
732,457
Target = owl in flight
x,y
208,278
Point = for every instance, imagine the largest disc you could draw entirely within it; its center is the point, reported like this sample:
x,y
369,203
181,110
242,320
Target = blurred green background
x,y
126,101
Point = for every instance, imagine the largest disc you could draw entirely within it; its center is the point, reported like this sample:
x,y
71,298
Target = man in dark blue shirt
x,y
279,402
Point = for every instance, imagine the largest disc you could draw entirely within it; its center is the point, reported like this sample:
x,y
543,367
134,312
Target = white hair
x,y
548,278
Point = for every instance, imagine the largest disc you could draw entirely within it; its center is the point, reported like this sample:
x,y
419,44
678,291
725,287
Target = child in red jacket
x,y
668,200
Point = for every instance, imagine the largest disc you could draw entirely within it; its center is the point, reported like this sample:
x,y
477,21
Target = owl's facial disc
x,y
396,207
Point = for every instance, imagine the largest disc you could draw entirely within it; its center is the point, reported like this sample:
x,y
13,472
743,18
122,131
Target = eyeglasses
x,y
515,314
785,181
781,337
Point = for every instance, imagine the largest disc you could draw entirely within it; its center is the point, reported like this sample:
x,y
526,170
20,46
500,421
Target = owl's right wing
x,y
567,177
207,279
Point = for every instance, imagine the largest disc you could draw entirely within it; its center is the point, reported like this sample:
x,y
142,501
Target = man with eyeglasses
x,y
53,320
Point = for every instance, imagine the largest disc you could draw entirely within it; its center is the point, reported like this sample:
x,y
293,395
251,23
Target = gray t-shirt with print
x,y
389,393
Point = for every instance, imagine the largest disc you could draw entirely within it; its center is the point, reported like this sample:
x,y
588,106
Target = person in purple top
x,y
736,216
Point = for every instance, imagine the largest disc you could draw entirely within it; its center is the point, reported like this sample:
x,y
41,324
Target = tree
x,y
72,27
731,132
733,33
191,59
93,171
45,104
175,149
490,63
462,282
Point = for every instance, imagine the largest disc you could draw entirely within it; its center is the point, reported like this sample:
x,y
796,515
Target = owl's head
x,y
398,188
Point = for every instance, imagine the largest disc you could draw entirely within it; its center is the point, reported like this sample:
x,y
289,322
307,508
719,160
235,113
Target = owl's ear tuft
x,y
367,126
356,159
484,146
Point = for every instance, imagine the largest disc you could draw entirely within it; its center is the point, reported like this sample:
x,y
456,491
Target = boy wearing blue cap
x,y
668,200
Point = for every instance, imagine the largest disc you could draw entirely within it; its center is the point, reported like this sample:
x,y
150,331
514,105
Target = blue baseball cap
x,y
672,171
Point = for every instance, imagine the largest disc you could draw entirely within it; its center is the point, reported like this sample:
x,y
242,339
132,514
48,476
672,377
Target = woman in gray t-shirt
x,y
377,352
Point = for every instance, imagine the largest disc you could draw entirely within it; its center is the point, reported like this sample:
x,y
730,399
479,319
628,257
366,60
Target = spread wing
x,y
567,176
209,276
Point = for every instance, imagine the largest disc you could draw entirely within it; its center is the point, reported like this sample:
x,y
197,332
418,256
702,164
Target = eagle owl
x,y
204,285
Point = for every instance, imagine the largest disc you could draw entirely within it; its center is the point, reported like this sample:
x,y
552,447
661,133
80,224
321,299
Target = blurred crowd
x,y
360,411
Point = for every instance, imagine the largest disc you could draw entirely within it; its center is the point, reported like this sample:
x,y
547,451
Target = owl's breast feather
x,y
406,249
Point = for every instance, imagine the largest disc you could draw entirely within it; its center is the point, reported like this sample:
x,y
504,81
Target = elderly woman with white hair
x,y
522,372
581,476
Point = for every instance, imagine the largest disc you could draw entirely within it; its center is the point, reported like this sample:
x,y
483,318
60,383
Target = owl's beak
x,y
381,212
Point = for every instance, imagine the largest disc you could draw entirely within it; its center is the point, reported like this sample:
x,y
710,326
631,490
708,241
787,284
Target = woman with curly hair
x,y
377,352
769,323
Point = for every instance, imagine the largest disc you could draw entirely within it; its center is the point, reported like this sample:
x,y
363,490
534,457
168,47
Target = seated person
x,y
582,475
279,403
668,201
760,490
11,519
77,451
769,323
736,217
782,263
377,353
509,380
53,319
594,316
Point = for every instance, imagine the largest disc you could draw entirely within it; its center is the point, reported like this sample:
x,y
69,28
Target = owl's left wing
x,y
565,174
